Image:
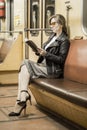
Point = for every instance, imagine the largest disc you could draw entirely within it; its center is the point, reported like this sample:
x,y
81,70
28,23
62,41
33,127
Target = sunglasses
x,y
53,23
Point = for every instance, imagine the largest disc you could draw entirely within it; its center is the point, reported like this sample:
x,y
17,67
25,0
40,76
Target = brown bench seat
x,y
71,91
66,97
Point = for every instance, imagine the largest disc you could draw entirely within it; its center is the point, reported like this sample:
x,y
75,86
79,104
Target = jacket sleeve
x,y
40,59
60,57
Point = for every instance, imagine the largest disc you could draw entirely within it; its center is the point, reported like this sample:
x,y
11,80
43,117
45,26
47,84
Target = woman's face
x,y
55,27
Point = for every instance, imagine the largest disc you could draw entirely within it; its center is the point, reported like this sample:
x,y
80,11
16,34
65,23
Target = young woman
x,y
50,63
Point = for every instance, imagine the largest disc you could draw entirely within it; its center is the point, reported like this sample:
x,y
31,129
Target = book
x,y
32,45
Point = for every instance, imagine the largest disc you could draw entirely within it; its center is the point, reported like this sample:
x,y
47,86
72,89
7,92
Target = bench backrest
x,y
76,62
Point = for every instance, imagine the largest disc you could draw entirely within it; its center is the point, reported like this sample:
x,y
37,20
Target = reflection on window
x,y
84,16
34,16
49,11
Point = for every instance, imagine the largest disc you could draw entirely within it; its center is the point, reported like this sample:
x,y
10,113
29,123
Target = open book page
x,y
32,45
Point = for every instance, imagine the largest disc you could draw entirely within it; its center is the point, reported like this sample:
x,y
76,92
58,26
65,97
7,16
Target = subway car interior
x,y
57,104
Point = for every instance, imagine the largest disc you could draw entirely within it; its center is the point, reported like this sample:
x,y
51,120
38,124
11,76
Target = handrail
x,y
6,31
37,29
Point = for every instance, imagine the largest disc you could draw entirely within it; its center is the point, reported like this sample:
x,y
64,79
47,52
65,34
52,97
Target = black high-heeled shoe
x,y
23,107
28,98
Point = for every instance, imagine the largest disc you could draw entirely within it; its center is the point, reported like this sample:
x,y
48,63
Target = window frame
x,y
84,20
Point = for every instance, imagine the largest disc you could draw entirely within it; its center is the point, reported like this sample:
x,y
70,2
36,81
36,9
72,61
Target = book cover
x,y
32,45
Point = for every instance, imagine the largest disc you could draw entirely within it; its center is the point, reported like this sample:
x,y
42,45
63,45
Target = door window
x,y
34,16
49,11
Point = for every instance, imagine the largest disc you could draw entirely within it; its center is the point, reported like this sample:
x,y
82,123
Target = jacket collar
x,y
60,39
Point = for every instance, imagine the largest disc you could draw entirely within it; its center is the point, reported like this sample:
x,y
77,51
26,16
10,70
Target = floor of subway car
x,y
35,118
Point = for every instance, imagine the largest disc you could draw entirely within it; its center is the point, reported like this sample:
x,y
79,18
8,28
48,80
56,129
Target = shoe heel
x,y
24,108
30,100
24,111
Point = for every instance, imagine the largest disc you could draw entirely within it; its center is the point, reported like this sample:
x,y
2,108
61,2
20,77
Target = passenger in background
x,y
50,63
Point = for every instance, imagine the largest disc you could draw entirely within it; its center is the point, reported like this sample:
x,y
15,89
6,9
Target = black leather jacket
x,y
56,55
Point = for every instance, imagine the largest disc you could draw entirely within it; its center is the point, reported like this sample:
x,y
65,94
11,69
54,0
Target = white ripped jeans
x,y
23,80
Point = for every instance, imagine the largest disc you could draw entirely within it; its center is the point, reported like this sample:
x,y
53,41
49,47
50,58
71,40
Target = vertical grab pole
x,y
68,7
26,26
42,23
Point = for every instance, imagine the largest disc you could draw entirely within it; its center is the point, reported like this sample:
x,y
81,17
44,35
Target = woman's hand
x,y
42,52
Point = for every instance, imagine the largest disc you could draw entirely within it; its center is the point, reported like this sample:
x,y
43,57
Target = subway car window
x,y
10,15
34,15
49,11
84,16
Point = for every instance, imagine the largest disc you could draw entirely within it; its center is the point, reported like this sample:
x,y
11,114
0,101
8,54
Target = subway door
x,y
34,25
39,13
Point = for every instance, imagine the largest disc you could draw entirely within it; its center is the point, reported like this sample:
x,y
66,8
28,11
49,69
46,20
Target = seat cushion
x,y
69,90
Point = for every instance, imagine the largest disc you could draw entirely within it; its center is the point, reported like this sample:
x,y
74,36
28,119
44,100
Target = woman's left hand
x,y
42,52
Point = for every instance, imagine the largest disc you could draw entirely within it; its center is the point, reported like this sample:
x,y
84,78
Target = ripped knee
x,y
23,64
